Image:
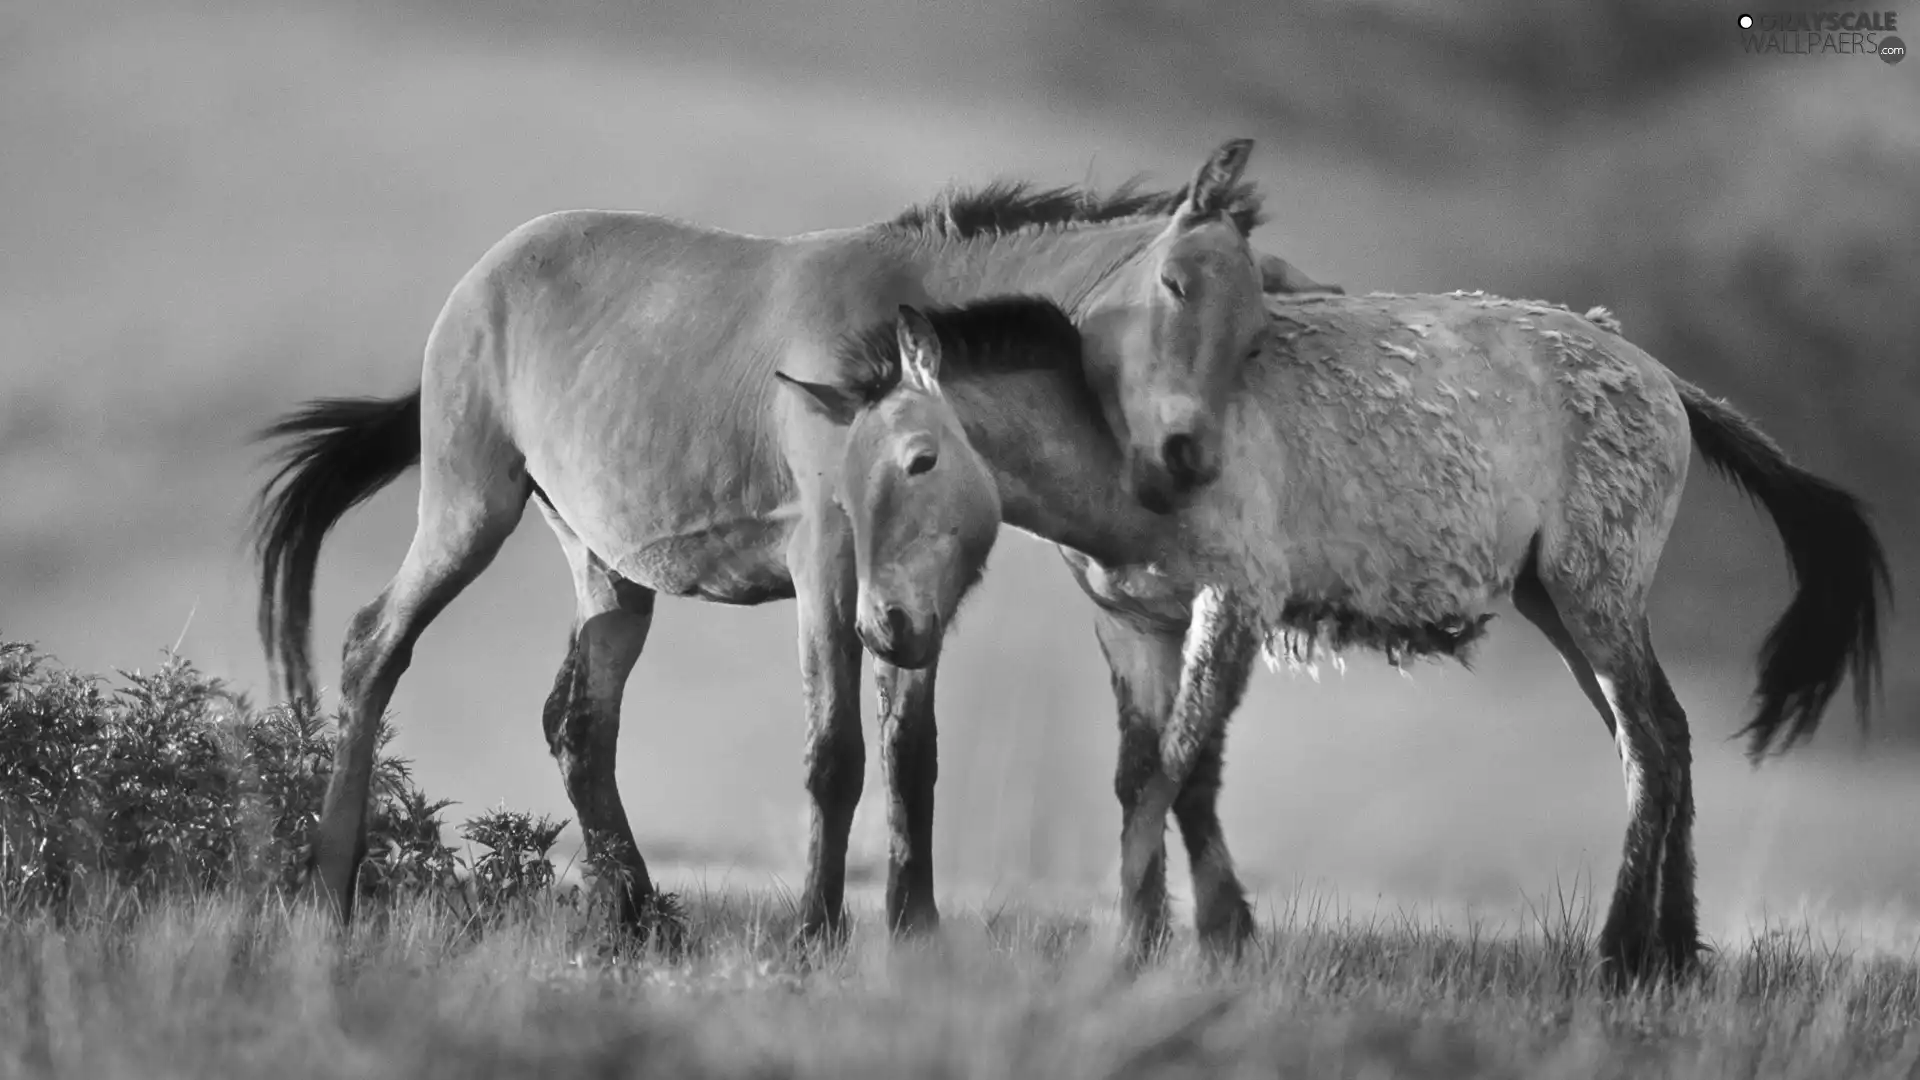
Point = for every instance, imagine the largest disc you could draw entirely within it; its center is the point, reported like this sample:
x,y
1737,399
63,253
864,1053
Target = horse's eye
x,y
922,462
1174,287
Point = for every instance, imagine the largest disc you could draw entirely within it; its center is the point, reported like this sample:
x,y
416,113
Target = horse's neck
x,y
1064,265
1057,468
1059,471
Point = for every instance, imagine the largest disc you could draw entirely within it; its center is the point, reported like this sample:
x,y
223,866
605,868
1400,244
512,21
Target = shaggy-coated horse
x,y
1395,466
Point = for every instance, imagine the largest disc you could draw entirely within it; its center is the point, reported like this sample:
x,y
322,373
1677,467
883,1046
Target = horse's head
x,y
924,507
1169,333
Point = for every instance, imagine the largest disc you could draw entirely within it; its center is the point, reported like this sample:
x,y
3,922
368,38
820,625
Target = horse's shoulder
x,y
839,285
842,260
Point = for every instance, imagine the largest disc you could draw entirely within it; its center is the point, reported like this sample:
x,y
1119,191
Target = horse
x,y
1396,466
922,505
615,368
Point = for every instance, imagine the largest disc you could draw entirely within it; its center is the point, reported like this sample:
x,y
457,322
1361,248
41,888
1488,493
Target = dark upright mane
x,y
1004,206
996,334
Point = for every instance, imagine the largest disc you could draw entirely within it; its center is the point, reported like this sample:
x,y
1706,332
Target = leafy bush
x,y
173,781
51,734
515,868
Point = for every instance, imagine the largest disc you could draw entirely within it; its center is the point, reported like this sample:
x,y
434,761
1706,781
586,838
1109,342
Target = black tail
x,y
1832,628
342,450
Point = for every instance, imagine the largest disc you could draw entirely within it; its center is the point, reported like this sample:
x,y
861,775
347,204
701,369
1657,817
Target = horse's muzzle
x,y
1162,479
898,638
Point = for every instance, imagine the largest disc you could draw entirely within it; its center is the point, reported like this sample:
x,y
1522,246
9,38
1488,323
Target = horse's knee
x,y
1203,775
1139,760
913,761
1195,811
366,656
581,727
836,770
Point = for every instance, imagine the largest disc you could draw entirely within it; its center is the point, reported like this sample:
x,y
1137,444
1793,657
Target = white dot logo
x,y
1746,22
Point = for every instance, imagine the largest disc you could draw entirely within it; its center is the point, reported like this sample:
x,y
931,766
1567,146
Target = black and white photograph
x,y
1107,539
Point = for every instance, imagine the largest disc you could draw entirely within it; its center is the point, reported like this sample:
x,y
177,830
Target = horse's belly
x,y
1399,586
736,563
1134,591
1420,517
684,510
1404,590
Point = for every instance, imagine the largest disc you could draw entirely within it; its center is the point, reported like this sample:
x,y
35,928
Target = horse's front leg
x,y
1215,663
825,586
910,760
1143,659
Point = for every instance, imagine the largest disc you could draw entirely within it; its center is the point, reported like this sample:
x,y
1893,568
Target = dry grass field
x,y
229,985
149,927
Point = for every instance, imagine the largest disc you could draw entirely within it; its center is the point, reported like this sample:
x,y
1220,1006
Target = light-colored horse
x,y
922,505
1396,465
619,367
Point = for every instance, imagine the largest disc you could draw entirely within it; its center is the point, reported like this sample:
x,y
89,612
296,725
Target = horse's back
x,y
629,358
1428,440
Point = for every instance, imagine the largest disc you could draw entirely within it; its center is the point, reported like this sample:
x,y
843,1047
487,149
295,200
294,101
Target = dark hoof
x,y
918,921
819,932
621,945
1144,942
1687,962
1641,963
637,921
660,922
1229,931
336,907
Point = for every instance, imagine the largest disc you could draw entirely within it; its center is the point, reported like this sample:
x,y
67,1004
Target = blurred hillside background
x,y
209,212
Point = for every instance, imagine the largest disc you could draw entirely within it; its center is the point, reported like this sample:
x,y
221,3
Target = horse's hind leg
x,y
909,757
1530,599
1679,906
1652,924
582,719
469,505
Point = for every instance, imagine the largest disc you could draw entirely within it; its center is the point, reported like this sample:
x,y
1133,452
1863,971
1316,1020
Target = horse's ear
x,y
837,403
1214,182
1280,277
919,349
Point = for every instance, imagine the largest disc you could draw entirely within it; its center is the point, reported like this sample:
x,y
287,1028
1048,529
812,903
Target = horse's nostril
x,y
899,627
1182,457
